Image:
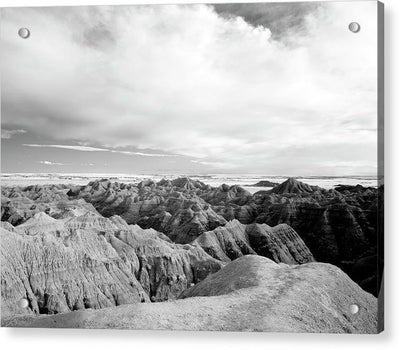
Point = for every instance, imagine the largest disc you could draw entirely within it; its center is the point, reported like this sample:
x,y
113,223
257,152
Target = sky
x,y
277,89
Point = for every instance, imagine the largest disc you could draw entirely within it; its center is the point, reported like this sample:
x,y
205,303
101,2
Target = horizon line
x,y
184,173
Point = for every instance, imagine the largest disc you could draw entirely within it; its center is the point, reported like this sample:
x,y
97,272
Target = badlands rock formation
x,y
339,226
251,293
265,183
174,208
291,185
107,245
18,204
280,243
89,261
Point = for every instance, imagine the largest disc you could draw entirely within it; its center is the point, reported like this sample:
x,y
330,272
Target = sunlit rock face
x,y
88,261
280,243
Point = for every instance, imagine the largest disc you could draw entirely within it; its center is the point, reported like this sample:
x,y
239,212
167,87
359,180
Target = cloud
x,y
96,149
285,22
216,165
186,80
47,162
7,134
73,148
144,154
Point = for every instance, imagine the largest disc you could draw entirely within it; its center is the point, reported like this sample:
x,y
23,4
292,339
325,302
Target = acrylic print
x,y
192,167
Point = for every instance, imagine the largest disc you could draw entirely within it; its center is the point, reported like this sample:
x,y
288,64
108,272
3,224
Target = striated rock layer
x,y
88,261
251,293
341,226
172,207
280,243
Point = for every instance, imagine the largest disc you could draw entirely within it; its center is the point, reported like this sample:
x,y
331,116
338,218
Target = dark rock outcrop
x,y
338,227
292,185
265,183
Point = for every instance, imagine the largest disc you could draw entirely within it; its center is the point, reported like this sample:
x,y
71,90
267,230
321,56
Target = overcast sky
x,y
277,89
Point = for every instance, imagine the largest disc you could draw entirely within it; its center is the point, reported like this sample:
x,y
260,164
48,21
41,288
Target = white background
x,y
390,338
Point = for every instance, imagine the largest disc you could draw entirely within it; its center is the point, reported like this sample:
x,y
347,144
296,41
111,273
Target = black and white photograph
x,y
198,167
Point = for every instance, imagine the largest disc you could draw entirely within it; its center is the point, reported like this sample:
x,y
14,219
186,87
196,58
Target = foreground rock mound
x,y
251,293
